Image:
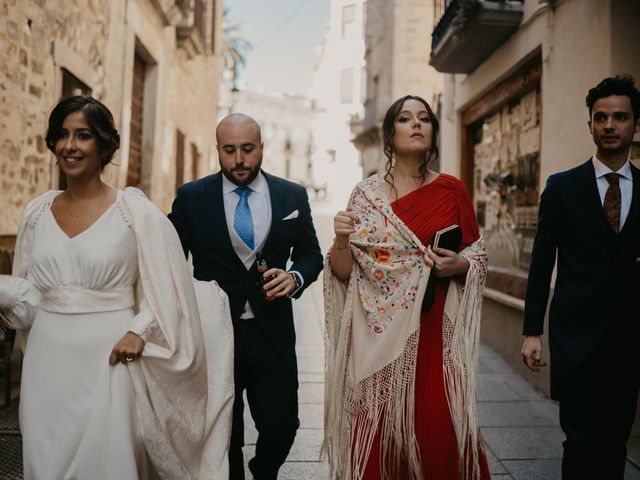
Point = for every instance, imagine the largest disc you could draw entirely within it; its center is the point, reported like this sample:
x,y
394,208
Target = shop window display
x,y
506,160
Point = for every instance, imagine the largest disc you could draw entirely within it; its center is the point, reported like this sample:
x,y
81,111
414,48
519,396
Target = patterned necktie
x,y
243,222
612,201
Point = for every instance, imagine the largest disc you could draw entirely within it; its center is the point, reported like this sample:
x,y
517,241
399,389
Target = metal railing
x,y
439,7
446,11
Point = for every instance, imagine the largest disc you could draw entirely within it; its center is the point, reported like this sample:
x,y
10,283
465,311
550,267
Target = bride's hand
x,y
128,349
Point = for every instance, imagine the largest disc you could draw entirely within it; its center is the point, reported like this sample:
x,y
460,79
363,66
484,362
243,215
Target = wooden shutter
x,y
134,171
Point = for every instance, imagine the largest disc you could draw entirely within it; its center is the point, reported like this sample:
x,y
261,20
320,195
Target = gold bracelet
x,y
338,247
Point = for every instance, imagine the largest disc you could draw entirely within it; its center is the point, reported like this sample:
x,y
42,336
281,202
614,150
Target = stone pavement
x,y
520,426
10,444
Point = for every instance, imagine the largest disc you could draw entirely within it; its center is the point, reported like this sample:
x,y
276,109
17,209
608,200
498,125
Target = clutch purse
x,y
449,238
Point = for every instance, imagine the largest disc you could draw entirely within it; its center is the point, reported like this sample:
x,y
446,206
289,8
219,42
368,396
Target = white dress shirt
x,y
626,186
260,206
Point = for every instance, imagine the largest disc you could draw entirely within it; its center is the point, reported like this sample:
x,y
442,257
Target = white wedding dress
x,y
78,413
166,415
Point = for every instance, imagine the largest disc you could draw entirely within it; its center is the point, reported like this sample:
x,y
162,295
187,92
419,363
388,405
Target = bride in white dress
x,y
115,383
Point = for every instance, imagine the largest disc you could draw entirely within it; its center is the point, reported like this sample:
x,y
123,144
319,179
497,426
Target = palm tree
x,y
234,48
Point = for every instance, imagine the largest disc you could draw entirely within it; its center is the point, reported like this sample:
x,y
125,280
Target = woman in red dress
x,y
382,247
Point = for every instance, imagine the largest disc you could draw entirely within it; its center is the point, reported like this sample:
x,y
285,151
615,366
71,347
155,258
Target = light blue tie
x,y
243,222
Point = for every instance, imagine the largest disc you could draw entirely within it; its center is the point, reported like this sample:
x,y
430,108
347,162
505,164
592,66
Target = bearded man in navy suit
x,y
590,219
224,220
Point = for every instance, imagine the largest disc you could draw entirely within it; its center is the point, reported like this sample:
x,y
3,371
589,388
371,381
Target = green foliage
x,y
234,47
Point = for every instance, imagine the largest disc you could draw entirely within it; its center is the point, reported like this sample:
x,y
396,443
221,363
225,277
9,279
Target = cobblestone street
x,y
10,444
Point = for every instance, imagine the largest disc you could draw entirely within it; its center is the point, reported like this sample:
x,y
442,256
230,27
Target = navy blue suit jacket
x,y
199,217
598,278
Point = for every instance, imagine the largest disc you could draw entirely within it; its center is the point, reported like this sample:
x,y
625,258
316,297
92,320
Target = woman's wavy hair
x,y
388,131
98,117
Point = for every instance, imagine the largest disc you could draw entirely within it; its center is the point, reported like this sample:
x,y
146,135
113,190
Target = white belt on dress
x,y
71,299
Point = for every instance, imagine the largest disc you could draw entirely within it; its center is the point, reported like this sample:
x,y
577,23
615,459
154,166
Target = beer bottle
x,y
261,263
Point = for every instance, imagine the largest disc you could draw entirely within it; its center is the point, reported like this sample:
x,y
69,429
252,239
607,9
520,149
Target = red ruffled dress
x,y
432,207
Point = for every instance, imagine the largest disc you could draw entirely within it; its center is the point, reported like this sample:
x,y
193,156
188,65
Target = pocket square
x,y
292,215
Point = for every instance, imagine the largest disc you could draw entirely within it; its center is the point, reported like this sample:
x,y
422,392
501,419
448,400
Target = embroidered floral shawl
x,y
372,331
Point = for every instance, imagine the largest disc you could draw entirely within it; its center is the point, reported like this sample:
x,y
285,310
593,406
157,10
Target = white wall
x,y
335,158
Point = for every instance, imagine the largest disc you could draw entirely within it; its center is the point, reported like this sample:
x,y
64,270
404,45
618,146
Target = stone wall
x,y
96,40
398,44
413,23
28,81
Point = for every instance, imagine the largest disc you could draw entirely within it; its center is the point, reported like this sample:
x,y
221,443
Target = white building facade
x,y
285,122
337,95
397,50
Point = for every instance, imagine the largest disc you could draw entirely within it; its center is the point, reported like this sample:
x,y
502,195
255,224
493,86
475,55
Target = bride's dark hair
x,y
98,117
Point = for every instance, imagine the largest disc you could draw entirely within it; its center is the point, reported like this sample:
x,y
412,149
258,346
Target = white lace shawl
x,y
372,332
184,407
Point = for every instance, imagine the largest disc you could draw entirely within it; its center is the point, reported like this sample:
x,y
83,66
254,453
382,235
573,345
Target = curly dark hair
x,y
388,131
98,117
623,84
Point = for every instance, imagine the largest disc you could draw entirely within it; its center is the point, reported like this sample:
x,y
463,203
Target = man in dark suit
x,y
590,217
224,220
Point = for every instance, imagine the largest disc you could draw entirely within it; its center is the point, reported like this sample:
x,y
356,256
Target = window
x,y
195,160
348,21
179,158
199,19
134,169
287,156
346,85
71,85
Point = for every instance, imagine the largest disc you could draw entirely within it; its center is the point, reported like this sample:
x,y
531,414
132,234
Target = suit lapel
x,y
591,198
634,210
633,218
632,224
275,194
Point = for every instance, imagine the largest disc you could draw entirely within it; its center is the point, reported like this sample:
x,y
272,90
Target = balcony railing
x,y
445,11
468,31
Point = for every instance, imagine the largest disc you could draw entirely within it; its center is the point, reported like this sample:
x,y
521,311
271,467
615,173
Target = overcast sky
x,y
283,34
